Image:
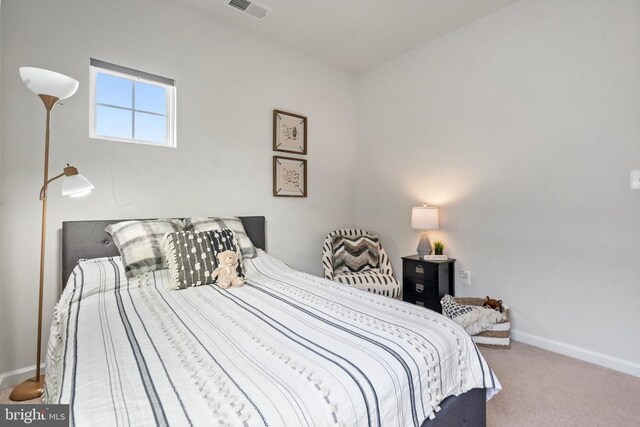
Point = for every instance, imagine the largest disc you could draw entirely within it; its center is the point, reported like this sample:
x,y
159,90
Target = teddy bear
x,y
226,272
492,303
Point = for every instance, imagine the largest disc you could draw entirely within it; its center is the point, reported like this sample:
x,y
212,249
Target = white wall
x,y
523,127
229,81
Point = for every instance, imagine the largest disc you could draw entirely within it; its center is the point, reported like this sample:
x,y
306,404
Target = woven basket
x,y
499,336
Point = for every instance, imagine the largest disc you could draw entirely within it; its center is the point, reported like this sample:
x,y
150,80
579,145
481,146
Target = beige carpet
x,y
541,388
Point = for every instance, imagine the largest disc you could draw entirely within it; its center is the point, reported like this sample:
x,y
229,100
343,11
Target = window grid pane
x,y
114,122
150,128
150,98
112,90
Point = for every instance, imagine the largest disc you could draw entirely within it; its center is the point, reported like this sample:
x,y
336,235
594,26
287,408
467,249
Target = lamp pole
x,y
49,102
33,387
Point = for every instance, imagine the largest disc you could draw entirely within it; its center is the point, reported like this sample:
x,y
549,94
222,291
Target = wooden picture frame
x,y
289,177
289,132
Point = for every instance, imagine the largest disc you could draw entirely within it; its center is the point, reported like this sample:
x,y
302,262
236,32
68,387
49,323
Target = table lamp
x,y
50,87
425,218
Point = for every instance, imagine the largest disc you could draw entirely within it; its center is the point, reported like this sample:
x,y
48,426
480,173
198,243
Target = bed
x,y
287,349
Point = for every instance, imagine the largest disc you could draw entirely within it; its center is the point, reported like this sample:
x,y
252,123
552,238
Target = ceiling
x,y
356,35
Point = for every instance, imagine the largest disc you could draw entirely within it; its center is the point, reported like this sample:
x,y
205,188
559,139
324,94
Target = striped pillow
x,y
218,223
139,243
355,253
192,256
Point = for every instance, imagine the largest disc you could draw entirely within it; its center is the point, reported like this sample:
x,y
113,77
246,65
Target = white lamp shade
x,y
425,218
76,186
45,82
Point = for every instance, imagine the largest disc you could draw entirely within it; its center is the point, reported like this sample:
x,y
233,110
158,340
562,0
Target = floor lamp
x,y
50,87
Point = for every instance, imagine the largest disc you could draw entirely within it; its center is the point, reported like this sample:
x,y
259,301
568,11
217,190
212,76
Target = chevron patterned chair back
x,y
378,281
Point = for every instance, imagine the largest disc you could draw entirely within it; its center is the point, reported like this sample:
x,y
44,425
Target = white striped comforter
x,y
287,349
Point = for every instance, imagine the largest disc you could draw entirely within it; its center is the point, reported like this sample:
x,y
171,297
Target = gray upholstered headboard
x,y
87,239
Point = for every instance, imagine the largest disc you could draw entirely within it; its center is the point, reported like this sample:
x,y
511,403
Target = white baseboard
x,y
611,362
11,378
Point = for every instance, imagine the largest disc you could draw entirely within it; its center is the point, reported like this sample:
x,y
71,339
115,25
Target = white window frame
x,y
170,138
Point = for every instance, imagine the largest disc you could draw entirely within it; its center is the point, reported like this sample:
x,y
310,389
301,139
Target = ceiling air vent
x,y
251,8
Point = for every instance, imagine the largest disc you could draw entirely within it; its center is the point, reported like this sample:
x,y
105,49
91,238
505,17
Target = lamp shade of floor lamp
x,y
50,87
425,218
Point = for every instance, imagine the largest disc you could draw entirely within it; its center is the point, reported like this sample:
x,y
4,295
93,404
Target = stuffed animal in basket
x,y
226,272
493,303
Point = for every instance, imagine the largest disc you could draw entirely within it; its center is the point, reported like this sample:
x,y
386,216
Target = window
x,y
131,106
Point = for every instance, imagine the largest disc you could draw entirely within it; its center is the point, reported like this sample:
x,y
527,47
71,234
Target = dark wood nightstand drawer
x,y
425,282
420,270
420,288
429,303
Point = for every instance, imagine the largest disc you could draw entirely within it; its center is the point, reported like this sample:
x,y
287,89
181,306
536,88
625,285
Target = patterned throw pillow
x,y
355,253
473,319
139,243
192,256
216,223
453,309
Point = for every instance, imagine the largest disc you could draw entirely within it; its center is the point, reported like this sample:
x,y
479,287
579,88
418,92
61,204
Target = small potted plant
x,y
438,247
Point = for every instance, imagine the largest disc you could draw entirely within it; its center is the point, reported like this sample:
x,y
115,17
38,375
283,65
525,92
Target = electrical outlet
x,y
465,277
635,180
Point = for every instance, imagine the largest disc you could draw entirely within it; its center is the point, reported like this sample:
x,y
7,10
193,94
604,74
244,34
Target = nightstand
x,y
424,283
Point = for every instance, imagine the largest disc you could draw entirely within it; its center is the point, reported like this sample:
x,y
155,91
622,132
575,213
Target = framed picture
x,y
289,132
289,177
